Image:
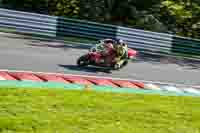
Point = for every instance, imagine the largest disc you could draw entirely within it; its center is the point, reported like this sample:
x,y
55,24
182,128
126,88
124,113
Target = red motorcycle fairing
x,y
132,53
94,57
97,58
104,59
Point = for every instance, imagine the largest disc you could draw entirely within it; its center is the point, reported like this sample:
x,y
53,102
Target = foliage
x,y
38,6
184,14
67,8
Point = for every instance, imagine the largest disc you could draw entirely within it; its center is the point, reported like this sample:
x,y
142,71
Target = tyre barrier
x,y
100,83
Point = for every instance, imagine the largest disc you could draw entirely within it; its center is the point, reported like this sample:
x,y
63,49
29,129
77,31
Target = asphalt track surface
x,y
19,53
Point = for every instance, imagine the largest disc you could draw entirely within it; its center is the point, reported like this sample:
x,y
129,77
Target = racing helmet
x,y
121,42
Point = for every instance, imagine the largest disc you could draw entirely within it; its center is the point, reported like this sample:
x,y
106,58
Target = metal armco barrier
x,y
81,28
185,46
146,40
31,23
52,26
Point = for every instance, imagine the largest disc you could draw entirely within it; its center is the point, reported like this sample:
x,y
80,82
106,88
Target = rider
x,y
117,48
121,49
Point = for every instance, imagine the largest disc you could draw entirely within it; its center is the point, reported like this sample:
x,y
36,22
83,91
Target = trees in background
x,y
171,16
68,8
182,16
38,6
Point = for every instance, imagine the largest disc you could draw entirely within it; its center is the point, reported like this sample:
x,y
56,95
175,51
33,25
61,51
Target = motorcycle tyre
x,y
116,68
84,60
125,63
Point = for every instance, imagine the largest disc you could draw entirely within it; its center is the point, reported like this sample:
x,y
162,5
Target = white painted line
x,y
152,87
172,88
191,90
90,76
2,78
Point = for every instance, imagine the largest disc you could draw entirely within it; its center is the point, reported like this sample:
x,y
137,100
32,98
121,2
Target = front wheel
x,y
116,66
125,63
83,61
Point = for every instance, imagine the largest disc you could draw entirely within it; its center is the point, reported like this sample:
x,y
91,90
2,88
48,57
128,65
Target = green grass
x,y
61,111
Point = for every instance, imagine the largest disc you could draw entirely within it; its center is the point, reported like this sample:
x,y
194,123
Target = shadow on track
x,y
90,69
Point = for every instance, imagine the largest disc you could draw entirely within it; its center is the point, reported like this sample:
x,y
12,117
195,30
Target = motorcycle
x,y
94,55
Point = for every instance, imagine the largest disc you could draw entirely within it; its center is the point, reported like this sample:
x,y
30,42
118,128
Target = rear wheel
x,y
83,61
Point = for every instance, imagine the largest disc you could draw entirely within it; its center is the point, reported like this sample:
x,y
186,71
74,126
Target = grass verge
x,y
61,111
